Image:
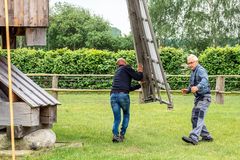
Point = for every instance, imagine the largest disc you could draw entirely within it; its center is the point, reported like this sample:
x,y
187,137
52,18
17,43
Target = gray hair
x,y
193,57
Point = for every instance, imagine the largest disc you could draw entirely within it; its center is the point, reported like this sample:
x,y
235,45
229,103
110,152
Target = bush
x,y
221,60
91,61
172,60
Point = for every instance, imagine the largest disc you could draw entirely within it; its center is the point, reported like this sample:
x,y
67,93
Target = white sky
x,y
114,11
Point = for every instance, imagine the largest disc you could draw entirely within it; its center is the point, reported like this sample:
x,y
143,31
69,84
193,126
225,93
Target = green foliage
x,y
116,32
69,26
172,60
196,24
223,61
123,43
30,60
217,61
74,27
65,61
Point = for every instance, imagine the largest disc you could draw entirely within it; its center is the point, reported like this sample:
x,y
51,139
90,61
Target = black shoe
x,y
116,139
189,140
207,139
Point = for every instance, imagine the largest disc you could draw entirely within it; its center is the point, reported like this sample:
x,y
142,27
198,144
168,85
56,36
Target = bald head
x,y
121,61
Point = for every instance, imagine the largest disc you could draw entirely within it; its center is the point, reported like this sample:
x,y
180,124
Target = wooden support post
x,y
220,87
48,115
13,40
141,97
36,36
55,86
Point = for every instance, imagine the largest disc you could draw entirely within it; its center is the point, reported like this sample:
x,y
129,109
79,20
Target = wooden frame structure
x,y
33,107
26,18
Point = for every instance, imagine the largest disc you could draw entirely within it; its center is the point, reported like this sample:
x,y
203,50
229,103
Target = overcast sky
x,y
114,11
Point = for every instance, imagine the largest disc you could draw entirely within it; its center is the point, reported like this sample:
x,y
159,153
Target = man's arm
x,y
133,88
139,77
136,75
204,79
188,89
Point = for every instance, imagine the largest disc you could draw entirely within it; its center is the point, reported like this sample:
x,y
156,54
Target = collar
x,y
120,65
196,67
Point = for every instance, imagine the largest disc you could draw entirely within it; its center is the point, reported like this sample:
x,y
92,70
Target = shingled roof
x,y
25,88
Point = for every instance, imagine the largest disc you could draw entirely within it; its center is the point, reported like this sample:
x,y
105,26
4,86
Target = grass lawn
x,y
153,132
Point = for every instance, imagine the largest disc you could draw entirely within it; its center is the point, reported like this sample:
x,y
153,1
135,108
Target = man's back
x,y
123,77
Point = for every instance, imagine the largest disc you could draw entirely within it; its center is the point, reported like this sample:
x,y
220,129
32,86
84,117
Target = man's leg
x,y
205,134
116,113
200,112
195,112
194,120
125,105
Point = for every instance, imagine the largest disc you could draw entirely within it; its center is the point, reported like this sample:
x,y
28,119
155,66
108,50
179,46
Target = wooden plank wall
x,y
43,12
36,36
25,13
18,13
48,115
23,114
2,19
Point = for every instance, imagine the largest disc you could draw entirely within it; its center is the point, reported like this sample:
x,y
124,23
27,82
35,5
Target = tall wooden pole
x,y
10,80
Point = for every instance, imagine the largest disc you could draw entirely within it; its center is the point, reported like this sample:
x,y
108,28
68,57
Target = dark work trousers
x,y
198,114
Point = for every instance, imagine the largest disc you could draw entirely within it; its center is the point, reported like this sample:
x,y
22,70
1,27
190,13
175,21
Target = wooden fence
x,y
219,88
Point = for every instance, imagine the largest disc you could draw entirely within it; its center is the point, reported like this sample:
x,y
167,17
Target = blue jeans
x,y
198,114
120,101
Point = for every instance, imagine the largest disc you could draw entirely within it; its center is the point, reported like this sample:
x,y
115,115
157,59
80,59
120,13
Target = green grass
x,y
153,133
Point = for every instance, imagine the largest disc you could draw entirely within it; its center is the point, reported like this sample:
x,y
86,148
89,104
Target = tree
x,y
196,24
116,32
70,26
75,28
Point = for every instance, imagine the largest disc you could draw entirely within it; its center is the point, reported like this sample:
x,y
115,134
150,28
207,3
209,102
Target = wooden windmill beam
x,y
147,53
140,48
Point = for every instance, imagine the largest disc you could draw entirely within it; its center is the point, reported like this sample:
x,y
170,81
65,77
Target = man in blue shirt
x,y
200,87
120,96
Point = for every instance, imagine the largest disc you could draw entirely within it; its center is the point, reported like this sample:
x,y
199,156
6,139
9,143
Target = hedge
x,y
221,60
91,61
85,61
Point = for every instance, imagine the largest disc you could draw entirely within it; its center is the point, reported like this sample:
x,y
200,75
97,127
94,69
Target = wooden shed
x,y
33,107
26,18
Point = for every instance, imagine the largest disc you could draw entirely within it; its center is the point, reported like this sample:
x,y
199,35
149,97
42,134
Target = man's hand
x,y
194,89
184,91
140,68
142,82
